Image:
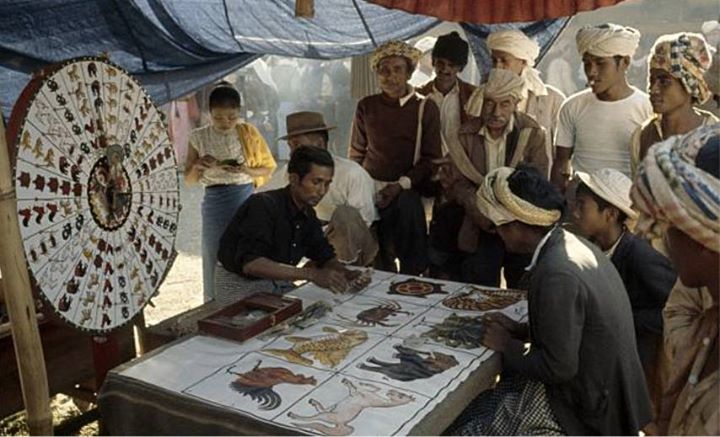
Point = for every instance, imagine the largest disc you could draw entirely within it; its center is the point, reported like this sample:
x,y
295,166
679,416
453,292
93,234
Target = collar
x,y
508,128
292,208
411,93
610,252
454,90
539,247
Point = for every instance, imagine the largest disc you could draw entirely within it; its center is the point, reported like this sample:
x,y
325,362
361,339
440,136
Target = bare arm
x,y
333,275
194,166
561,170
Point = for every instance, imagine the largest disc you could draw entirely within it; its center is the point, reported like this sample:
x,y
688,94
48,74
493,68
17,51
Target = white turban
x,y
500,83
522,47
607,40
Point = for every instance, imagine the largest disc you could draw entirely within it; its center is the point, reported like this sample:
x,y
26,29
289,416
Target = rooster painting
x,y
259,382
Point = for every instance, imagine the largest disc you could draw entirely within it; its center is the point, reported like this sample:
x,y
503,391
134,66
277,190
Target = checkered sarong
x,y
516,406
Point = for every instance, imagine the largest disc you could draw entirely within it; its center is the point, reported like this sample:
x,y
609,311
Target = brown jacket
x,y
534,151
466,91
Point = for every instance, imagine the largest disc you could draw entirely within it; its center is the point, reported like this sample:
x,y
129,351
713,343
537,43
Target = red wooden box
x,y
233,321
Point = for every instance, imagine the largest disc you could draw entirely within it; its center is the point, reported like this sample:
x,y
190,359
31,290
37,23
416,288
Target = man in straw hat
x,y
596,124
581,375
396,136
348,208
512,50
501,136
677,65
274,230
677,192
601,212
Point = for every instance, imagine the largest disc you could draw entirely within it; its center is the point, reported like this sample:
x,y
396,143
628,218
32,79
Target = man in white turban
x,y
513,50
595,125
501,136
581,374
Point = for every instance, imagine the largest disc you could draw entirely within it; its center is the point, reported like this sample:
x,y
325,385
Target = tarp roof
x,y
177,46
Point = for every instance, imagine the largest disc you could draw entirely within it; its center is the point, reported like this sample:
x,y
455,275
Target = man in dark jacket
x,y
582,374
602,208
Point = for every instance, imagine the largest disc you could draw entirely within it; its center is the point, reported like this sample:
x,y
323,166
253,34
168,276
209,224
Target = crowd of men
x,y
604,206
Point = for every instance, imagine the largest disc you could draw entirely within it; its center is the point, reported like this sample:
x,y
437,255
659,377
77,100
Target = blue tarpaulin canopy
x,y
176,46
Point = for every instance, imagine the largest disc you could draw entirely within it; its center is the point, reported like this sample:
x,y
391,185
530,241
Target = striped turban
x,y
395,48
500,205
686,56
670,189
607,40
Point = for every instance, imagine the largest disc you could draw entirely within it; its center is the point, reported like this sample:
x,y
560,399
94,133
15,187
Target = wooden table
x,y
132,401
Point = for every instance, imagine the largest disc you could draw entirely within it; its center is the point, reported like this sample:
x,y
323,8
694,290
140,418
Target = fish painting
x,y
328,349
258,383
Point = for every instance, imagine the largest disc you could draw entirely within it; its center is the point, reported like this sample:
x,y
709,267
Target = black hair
x,y
601,203
304,157
527,183
224,95
708,157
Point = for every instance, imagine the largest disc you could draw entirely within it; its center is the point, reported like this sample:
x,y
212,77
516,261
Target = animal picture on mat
x,y
335,419
328,349
258,383
457,331
413,364
481,299
415,288
378,314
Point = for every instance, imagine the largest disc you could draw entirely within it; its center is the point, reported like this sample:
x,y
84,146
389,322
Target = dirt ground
x,y
181,291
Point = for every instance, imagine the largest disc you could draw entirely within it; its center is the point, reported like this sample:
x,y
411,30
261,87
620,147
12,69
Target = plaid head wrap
x,y
607,40
686,56
499,204
395,48
670,189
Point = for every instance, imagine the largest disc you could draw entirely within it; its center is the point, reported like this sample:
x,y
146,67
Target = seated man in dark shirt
x,y
272,231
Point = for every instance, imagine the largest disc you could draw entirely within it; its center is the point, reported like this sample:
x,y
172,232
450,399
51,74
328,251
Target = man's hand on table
x,y
514,328
496,336
356,279
332,279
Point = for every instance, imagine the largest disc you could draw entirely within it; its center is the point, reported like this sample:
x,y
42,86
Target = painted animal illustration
x,y
378,314
481,299
414,364
329,349
415,288
258,383
458,331
340,414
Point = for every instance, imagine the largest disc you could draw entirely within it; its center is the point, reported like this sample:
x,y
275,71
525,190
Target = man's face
x,y
506,61
603,73
312,139
666,92
310,189
445,70
496,112
224,119
588,217
393,74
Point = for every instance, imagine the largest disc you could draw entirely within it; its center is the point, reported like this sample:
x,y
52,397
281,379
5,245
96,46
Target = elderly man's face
x,y
496,112
505,61
393,74
666,92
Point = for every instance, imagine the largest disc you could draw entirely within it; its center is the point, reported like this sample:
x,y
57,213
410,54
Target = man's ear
x,y
625,62
294,178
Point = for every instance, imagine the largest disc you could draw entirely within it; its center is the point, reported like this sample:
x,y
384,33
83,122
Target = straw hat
x,y
305,122
612,186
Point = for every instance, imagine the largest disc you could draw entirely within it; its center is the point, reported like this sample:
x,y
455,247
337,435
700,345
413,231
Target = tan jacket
x,y
526,144
545,109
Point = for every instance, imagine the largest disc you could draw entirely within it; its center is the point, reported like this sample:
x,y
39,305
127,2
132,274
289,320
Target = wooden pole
x,y
20,304
305,8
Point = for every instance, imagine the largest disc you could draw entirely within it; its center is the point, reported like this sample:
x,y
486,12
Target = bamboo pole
x,y
304,8
20,304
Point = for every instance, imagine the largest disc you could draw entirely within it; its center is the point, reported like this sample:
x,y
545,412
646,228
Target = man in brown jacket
x,y
501,136
450,94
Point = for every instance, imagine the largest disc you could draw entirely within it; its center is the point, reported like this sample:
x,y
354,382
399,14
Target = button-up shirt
x,y
449,105
270,225
495,147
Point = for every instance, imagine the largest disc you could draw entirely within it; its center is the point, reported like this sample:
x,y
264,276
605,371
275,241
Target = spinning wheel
x,y
97,192
415,287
